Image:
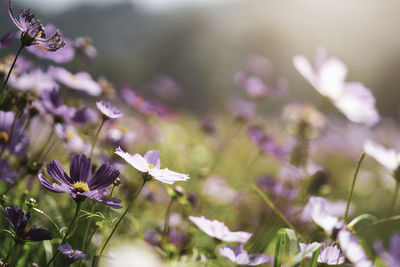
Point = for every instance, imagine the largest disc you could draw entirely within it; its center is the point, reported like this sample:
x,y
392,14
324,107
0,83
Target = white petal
x,y
352,249
386,157
303,66
332,75
137,161
167,176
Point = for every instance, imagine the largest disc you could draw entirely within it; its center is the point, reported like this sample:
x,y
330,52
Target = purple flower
x,y
81,183
12,137
150,165
241,257
266,144
353,99
19,220
219,230
109,112
119,135
70,253
33,32
81,81
392,256
60,56
241,109
177,238
6,40
73,141
37,80
165,87
5,173
330,255
277,188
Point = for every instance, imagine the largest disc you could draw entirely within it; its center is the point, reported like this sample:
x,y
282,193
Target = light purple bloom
x,y
266,182
5,173
15,141
392,256
73,141
36,80
33,32
241,109
6,40
241,257
80,183
219,230
266,144
353,99
60,56
389,158
150,165
81,81
109,111
119,135
330,255
67,250
165,87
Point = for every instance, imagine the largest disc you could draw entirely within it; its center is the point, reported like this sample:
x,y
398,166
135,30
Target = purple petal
x,y
103,177
56,171
153,157
80,168
53,187
38,234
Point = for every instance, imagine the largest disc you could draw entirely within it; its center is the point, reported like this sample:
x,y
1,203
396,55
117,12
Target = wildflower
x,y
12,136
71,253
241,109
266,144
266,182
241,257
6,40
330,255
19,220
61,55
85,48
36,80
149,165
5,173
109,112
81,184
119,135
389,158
353,99
177,238
217,188
81,81
218,230
70,135
33,32
392,256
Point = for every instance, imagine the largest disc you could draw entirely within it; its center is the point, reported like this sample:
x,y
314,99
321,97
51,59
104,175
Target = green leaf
x,y
314,247
314,258
48,249
286,246
360,218
49,218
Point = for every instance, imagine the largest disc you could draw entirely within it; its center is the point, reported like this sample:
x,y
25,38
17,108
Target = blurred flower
x,y
6,40
70,253
207,124
152,237
392,256
85,48
266,144
138,254
19,220
60,56
81,184
36,80
219,231
389,158
81,81
328,254
352,249
241,257
150,165
352,98
5,173
241,109
165,87
119,135
219,190
108,111
177,238
266,182
12,136
33,32
73,141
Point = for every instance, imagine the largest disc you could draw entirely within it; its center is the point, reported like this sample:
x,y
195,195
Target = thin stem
x,y
9,72
83,247
392,204
353,184
166,217
122,216
46,143
272,206
11,251
78,205
97,136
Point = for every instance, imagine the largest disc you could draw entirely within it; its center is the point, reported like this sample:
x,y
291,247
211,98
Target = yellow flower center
x,y
81,187
74,79
4,137
151,166
69,134
41,47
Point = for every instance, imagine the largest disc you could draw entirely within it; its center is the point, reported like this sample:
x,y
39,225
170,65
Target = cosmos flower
x,y
71,253
150,165
12,139
35,79
81,184
73,141
19,220
241,257
81,81
6,40
330,255
5,173
119,135
241,109
109,112
33,32
389,158
266,144
60,56
219,230
392,256
353,99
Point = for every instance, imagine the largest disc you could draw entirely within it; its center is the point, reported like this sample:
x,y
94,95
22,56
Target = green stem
x,y
78,205
353,184
11,251
392,204
167,214
97,136
9,72
122,216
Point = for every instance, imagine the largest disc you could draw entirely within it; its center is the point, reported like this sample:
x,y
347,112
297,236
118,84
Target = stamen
x,y
81,187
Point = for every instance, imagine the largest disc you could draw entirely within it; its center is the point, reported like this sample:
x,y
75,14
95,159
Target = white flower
x,y
352,98
387,157
150,164
219,230
241,257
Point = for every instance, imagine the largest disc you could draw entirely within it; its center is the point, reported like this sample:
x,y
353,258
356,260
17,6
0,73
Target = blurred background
x,y
202,43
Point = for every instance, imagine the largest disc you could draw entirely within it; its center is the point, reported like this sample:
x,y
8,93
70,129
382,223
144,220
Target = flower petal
x,y
80,168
